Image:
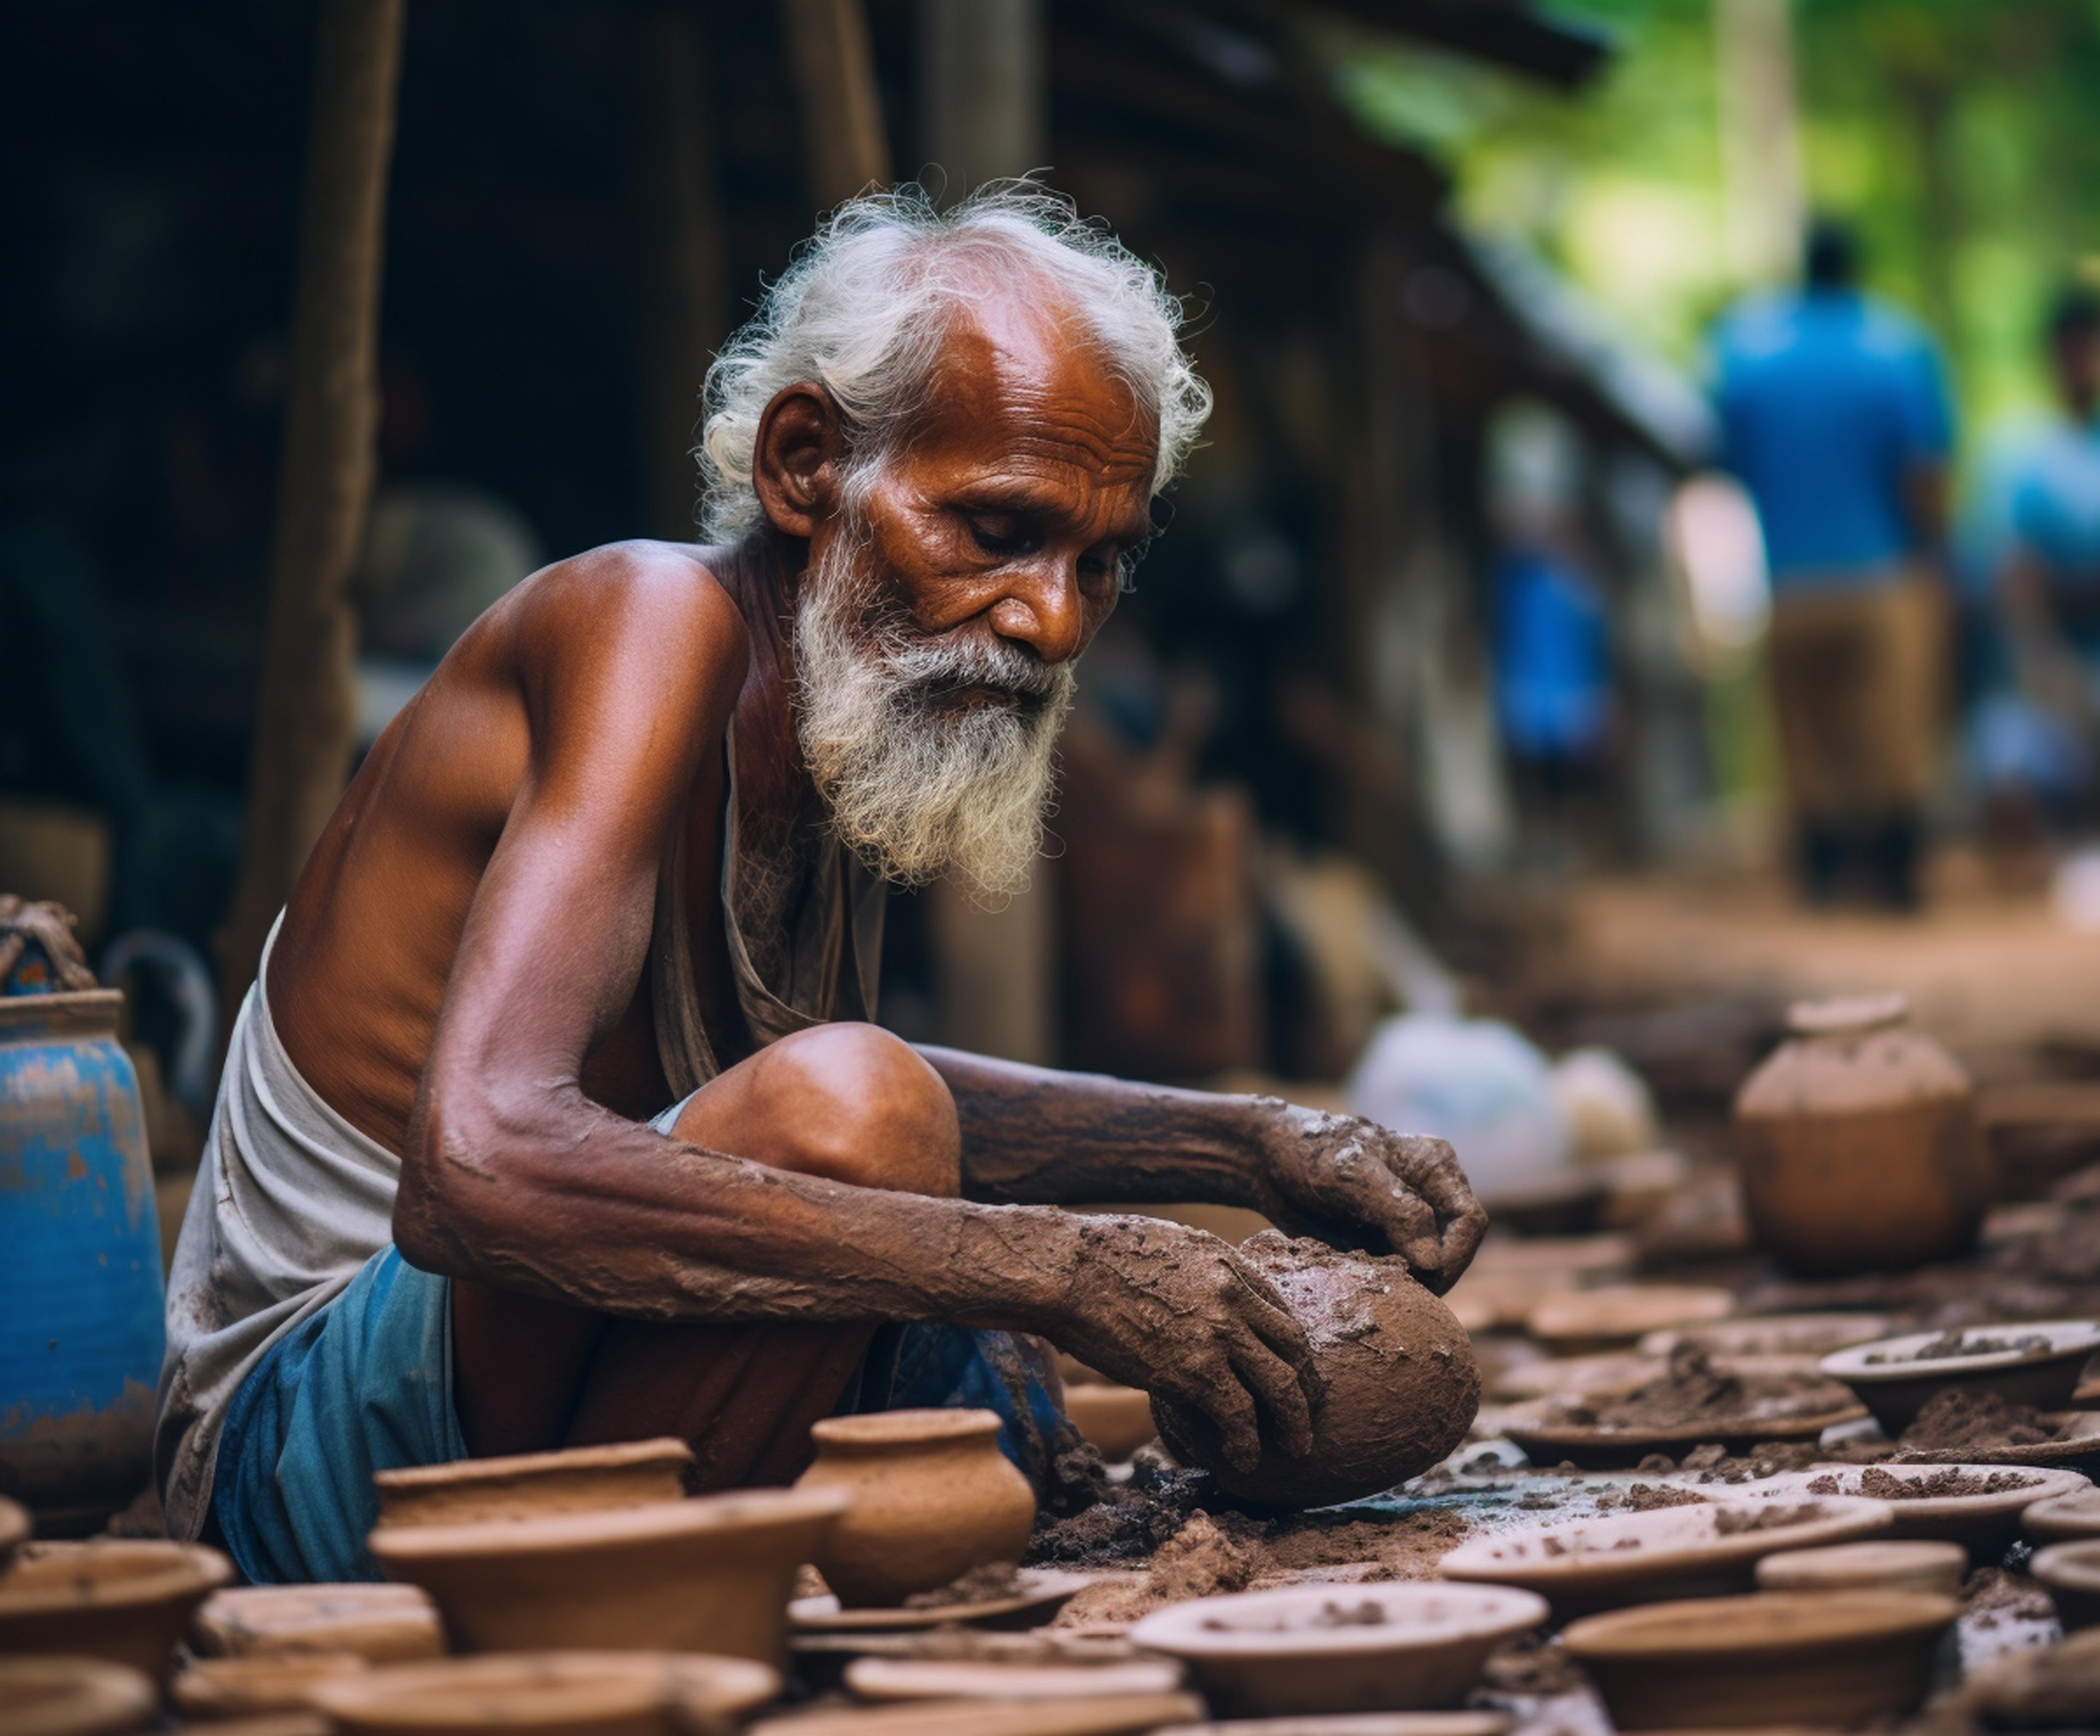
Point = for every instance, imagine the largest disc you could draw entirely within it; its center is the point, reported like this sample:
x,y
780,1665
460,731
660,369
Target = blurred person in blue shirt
x,y
1834,416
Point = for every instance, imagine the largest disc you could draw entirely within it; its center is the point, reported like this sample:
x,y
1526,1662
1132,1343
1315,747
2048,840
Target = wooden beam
x,y
983,85
833,64
305,709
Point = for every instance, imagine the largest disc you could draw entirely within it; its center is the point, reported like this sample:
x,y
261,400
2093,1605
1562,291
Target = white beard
x,y
917,789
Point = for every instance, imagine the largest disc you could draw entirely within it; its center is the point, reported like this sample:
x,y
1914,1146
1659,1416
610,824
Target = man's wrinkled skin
x,y
460,974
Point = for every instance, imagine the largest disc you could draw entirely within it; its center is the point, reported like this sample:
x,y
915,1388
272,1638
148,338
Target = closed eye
x,y
1003,538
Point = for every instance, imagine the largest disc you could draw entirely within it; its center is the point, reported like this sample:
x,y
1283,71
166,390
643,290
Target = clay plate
x,y
2071,1572
2064,1518
1358,1724
1770,1335
380,1623
1308,1648
1916,1564
73,1697
1896,1391
1619,1316
1105,1715
602,1693
1670,1551
248,1687
1601,1446
1983,1524
1776,1658
930,1679
1043,1589
2078,1444
129,1602
578,1479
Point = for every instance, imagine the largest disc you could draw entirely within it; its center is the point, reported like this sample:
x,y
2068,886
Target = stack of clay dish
x,y
579,1479
1101,1715
1914,1566
1894,1382
1770,1335
927,1496
1339,1648
1618,1316
73,1697
1117,1420
2071,1572
216,1688
1694,1551
2064,1518
710,1575
380,1624
1775,1658
591,1694
1358,1724
128,1601
961,1679
1982,1523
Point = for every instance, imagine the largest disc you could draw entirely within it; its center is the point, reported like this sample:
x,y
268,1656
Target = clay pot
x,y
931,1496
1776,1658
710,1575
1895,1384
581,1479
2071,1572
1310,1649
380,1624
127,1601
1118,1420
73,1697
1858,1143
250,1687
556,1693
1915,1565
1401,1385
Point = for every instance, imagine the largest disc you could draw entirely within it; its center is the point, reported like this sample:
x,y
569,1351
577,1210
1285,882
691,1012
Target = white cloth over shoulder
x,y
290,1202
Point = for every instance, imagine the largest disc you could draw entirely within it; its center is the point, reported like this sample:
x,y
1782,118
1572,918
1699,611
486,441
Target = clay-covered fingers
x,y
1274,1360
1432,1169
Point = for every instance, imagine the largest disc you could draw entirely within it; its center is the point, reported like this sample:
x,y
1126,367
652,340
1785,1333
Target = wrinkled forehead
x,y
1023,386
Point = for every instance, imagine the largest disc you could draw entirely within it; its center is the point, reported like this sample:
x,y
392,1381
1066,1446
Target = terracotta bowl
x,y
2071,1572
2064,1518
581,1479
1118,1420
127,1601
1916,1564
1982,1523
709,1575
553,1693
1776,1658
380,1624
1618,1316
1339,1648
250,1687
1895,1390
73,1697
1669,1552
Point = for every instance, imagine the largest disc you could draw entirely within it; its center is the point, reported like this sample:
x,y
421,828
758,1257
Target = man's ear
x,y
795,465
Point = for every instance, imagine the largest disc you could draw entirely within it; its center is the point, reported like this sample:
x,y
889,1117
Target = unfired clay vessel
x,y
2064,1518
712,1574
581,1479
931,1496
2071,1572
380,1624
1118,1420
1913,1564
73,1697
554,1694
127,1601
216,1688
1401,1387
1858,1143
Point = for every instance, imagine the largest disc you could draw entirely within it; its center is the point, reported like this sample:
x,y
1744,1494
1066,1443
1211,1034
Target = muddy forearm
x,y
1031,1134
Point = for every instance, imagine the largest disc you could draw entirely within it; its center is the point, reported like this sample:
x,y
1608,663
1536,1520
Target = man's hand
x,y
1175,1312
1356,1184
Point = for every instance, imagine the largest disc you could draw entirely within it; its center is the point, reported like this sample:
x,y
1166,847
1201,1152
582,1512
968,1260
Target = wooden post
x,y
833,64
983,73
685,273
306,709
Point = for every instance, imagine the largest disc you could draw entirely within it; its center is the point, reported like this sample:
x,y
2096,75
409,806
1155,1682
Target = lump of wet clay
x,y
1401,1386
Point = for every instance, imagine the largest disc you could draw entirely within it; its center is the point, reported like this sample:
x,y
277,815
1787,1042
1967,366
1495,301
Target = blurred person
x,y
1835,417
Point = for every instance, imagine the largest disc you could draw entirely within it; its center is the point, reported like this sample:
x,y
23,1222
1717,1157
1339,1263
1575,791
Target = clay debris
x,y
993,1583
1739,1522
1885,1485
1691,1391
1950,1345
1954,1419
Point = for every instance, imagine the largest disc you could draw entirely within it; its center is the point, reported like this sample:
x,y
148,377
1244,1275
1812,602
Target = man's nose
x,y
1044,610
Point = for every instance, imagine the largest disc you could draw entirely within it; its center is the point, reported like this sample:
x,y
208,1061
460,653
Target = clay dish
x,y
380,1624
2071,1572
2077,1444
1042,1591
1102,1715
1358,1724
708,1574
1915,1566
1118,1420
249,1687
73,1697
128,1601
1611,1372
1565,1260
273,1724
1982,1523
581,1479
592,1694
1770,1335
1776,1658
1545,1439
2064,1518
1339,1648
1895,1389
959,1679
1669,1552
1620,1314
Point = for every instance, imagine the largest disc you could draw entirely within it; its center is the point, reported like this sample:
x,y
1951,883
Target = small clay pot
x,y
931,1497
1399,1384
580,1479
1776,1658
380,1624
1857,1144
710,1575
73,1697
554,1694
1915,1565
252,1687
127,1601
1118,1420
2071,1572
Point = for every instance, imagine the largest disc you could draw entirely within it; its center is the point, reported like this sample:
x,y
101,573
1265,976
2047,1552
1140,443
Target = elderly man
x,y
629,848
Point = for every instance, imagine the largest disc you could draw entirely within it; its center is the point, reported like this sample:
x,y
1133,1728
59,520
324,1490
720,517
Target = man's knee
x,y
850,1102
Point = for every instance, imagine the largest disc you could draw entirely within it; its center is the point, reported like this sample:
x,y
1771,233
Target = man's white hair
x,y
863,307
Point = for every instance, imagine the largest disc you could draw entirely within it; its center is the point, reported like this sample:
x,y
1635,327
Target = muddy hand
x,y
1175,1312
1354,1184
